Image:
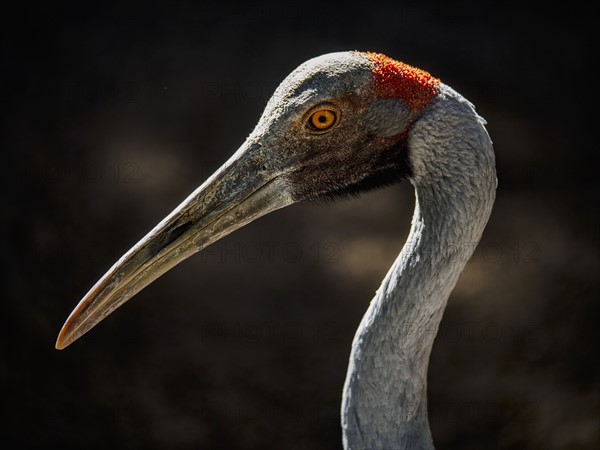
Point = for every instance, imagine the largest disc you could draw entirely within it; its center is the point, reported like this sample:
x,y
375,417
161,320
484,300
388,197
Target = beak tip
x,y
64,339
60,345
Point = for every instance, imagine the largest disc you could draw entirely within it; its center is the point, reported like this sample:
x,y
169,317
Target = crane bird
x,y
340,124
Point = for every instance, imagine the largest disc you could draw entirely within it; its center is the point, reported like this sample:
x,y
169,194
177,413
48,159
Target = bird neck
x,y
385,395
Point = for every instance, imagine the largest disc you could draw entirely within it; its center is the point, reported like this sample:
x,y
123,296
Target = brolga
x,y
340,124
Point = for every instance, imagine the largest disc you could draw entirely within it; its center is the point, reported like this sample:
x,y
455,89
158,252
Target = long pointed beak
x,y
238,193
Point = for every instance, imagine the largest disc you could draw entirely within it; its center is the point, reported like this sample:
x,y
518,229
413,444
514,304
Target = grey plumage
x,y
385,394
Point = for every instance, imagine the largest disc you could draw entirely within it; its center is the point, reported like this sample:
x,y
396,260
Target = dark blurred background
x,y
112,115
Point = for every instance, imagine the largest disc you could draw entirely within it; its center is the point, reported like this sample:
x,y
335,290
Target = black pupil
x,y
322,118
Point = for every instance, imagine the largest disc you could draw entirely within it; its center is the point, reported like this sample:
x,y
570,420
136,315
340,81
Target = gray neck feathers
x,y
385,394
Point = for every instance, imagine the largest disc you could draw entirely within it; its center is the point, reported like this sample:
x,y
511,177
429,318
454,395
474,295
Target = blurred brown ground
x,y
113,115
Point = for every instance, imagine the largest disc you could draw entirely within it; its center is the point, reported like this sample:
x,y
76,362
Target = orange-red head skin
x,y
394,79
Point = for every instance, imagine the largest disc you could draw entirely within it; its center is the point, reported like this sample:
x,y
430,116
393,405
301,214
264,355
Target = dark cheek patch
x,y
394,79
368,165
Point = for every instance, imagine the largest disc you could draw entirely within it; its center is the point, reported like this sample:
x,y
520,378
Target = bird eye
x,y
322,119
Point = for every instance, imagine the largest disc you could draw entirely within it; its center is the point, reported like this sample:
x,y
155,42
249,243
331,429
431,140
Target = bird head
x,y
338,124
